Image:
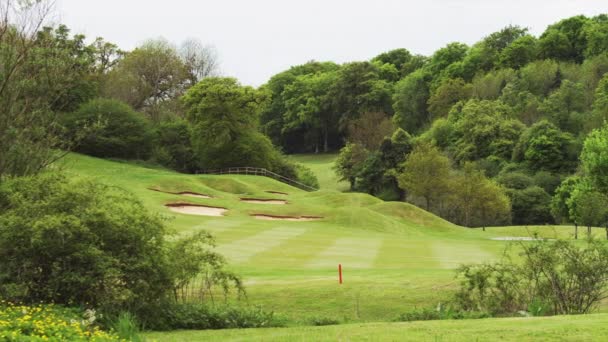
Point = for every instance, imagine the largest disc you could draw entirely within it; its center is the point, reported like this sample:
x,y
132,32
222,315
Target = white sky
x,y
258,38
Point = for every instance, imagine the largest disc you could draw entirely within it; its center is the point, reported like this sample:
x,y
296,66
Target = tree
x,y
478,200
594,158
360,130
565,106
174,146
520,52
148,76
565,40
587,206
309,105
43,71
600,104
426,174
399,58
544,147
410,101
482,129
530,206
200,61
559,202
446,95
114,130
224,118
349,161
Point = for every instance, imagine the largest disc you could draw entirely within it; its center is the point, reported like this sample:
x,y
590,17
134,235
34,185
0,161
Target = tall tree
x,y
426,174
594,158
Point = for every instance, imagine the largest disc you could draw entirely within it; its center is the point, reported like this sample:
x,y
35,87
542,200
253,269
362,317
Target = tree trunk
x,y
575,231
588,231
606,232
325,145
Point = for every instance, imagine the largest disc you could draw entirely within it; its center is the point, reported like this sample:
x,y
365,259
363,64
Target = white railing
x,y
256,171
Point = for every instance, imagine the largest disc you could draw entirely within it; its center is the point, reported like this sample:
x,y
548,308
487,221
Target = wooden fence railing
x,y
256,171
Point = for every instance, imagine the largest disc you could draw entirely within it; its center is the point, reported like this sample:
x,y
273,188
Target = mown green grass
x,y
395,256
558,328
321,165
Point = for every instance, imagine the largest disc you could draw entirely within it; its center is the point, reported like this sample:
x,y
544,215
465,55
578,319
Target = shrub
x,y
171,316
554,277
441,312
322,321
174,149
113,130
306,176
48,322
77,242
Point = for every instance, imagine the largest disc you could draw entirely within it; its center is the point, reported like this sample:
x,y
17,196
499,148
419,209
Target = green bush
x,y
174,149
49,322
171,316
110,128
322,321
441,312
549,277
306,176
79,243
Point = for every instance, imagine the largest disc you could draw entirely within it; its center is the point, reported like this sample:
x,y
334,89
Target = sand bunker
x,y
195,209
276,192
286,218
516,238
263,201
183,193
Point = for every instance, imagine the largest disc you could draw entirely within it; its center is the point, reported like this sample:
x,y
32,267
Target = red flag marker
x,y
340,272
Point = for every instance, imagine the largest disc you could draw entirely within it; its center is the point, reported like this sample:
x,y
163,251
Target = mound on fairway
x,y
196,209
286,218
184,193
263,201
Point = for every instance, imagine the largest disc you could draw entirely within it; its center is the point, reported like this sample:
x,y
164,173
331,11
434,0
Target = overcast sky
x,y
258,38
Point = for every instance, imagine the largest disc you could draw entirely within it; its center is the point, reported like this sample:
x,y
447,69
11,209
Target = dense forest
x,y
481,135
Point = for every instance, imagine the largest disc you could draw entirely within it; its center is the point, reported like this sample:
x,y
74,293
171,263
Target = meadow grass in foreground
x,y
395,256
562,328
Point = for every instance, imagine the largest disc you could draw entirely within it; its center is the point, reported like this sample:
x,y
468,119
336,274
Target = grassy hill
x,y
395,256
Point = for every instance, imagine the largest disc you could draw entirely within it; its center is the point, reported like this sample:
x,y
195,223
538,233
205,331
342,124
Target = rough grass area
x,y
558,328
321,165
395,256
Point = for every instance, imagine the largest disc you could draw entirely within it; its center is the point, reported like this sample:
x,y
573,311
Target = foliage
x,y
200,317
113,130
82,243
531,205
426,174
349,162
410,101
174,146
49,322
557,277
126,327
544,147
359,131
594,158
441,312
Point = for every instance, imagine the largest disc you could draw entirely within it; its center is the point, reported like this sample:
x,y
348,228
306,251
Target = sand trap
x,y
195,209
286,218
263,201
276,192
183,193
517,238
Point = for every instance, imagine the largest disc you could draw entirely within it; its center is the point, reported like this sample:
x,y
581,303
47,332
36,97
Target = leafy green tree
x,y
224,118
540,77
484,128
410,101
565,106
349,162
596,34
357,89
147,77
544,147
446,95
594,158
399,58
114,130
560,202
426,174
272,118
565,40
600,105
530,206
587,206
520,52
310,106
174,146
516,180
478,200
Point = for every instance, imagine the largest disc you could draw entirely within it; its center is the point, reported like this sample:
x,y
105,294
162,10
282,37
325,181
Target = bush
x,y
199,316
77,242
553,277
49,322
306,176
174,149
322,321
441,312
113,129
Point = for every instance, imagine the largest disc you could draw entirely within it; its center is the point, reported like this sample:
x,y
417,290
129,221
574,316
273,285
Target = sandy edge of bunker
x,y
286,218
196,209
